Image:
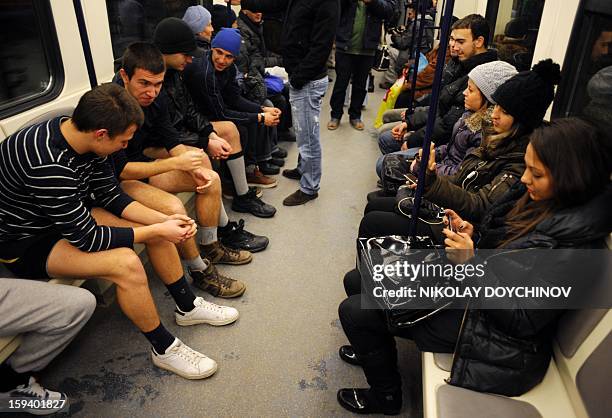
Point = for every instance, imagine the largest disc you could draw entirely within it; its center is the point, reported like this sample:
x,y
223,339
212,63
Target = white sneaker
x,y
184,361
206,313
34,399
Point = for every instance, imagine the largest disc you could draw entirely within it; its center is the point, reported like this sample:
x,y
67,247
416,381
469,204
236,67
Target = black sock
x,y
182,294
160,338
11,379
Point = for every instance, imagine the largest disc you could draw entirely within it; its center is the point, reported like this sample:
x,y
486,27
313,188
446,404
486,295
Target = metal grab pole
x,y
91,70
431,117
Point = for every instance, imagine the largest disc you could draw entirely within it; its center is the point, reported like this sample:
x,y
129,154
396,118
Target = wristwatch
x,y
263,117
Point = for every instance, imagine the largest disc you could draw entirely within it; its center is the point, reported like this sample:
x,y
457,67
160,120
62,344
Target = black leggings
x,y
380,220
367,331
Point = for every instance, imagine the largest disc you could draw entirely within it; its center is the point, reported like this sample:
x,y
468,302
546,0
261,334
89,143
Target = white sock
x,y
197,264
209,235
223,219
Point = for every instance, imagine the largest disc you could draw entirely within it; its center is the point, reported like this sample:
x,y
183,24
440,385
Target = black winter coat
x,y
507,351
451,104
483,178
307,39
184,114
377,12
217,93
253,54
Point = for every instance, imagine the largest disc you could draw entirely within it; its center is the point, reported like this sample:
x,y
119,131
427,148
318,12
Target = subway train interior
x,y
207,140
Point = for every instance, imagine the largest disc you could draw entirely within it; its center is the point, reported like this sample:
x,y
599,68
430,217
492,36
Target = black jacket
x,y
253,54
307,37
156,131
377,11
482,179
507,351
450,104
217,93
193,126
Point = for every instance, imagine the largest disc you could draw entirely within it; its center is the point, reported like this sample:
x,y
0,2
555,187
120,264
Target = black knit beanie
x,y
527,95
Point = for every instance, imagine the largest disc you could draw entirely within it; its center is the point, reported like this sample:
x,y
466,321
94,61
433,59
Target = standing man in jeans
x,y
308,34
357,38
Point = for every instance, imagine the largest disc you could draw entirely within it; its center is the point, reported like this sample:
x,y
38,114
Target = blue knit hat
x,y
197,18
228,39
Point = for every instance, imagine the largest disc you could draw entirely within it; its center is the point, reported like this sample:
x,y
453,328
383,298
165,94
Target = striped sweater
x,y
45,186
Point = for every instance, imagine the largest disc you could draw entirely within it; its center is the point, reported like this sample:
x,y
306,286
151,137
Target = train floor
x,y
281,357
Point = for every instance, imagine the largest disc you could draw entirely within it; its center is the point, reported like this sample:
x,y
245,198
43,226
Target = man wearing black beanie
x,y
306,44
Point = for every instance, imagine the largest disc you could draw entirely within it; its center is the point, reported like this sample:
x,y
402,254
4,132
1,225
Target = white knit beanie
x,y
488,77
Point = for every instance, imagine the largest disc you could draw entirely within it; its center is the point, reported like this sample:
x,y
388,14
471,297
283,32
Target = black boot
x,y
347,354
368,401
385,393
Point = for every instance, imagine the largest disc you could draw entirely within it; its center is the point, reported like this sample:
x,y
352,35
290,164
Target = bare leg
x,y
208,204
164,202
162,254
121,266
228,131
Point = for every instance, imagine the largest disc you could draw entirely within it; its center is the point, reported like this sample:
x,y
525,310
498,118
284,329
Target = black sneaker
x,y
269,169
280,153
235,236
277,161
293,174
366,401
36,399
250,203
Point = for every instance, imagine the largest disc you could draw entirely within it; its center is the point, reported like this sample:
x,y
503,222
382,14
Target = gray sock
x,y
223,219
209,235
197,264
238,171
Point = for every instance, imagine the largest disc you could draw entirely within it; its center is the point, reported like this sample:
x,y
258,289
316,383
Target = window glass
x,y
135,20
516,31
592,87
25,71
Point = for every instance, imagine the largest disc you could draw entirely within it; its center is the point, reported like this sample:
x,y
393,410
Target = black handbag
x,y
381,57
394,168
389,250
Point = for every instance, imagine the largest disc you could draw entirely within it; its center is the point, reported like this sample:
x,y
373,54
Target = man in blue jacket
x,y
307,39
357,38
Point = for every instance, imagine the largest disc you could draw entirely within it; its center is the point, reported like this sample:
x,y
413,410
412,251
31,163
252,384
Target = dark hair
x,y
143,55
108,106
578,158
477,24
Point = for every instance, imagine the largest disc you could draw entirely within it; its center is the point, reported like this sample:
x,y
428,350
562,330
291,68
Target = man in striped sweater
x,y
63,215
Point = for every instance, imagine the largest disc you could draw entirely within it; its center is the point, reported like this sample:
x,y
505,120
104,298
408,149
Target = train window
x,y
515,25
135,20
586,85
31,71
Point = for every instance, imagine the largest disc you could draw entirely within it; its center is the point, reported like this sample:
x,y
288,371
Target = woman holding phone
x,y
552,207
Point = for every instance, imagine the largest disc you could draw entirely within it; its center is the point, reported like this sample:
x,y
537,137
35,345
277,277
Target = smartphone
x,y
410,179
450,224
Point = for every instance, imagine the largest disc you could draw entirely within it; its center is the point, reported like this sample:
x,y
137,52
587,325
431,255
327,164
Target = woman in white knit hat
x,y
483,80
199,21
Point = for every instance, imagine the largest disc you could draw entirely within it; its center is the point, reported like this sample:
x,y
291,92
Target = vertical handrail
x,y
91,71
431,117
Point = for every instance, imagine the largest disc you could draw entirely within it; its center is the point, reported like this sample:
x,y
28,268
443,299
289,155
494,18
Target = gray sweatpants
x,y
47,316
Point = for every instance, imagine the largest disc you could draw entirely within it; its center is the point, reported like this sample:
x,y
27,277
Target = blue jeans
x,y
409,153
387,143
306,112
